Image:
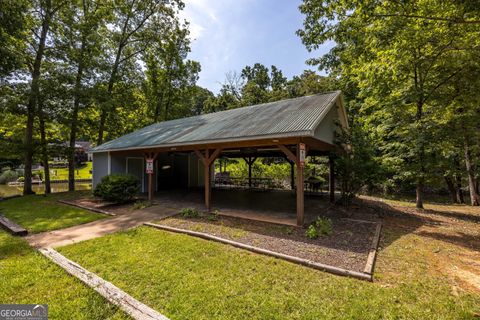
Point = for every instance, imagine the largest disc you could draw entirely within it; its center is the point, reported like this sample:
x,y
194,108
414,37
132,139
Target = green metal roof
x,y
297,117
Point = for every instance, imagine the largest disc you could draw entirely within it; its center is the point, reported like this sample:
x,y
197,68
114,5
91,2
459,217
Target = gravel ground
x,y
347,247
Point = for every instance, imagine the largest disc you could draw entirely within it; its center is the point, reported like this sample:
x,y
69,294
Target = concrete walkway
x,y
99,228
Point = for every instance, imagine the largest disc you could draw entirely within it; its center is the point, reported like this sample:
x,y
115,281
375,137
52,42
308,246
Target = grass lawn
x,y
189,278
28,277
82,172
38,213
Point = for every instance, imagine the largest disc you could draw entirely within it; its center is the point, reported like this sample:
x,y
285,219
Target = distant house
x,y
82,152
85,146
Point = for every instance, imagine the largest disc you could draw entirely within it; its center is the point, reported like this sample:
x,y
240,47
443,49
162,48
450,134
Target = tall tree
x,y
135,25
79,39
43,13
398,64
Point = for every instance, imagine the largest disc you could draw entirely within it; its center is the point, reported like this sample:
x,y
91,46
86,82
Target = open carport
x,y
179,154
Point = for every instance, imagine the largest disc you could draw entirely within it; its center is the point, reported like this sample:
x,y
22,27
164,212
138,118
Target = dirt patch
x,y
347,247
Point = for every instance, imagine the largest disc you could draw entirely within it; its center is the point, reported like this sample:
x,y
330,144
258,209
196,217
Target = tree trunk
x,y
73,124
472,183
32,100
459,191
451,188
43,141
419,191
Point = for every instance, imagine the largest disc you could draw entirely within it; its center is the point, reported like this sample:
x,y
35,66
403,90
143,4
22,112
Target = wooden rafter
x,y
288,153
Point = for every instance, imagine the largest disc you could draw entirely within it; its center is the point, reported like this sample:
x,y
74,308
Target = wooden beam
x,y
12,227
214,155
288,153
208,193
229,145
200,156
113,294
150,156
300,192
250,160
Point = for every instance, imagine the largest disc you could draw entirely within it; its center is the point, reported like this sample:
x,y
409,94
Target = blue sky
x,y
230,34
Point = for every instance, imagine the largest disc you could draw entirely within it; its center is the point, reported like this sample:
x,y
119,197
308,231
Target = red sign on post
x,y
149,168
302,154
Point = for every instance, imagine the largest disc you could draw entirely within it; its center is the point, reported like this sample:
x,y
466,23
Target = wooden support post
x,y
300,180
300,193
250,161
208,160
150,156
208,190
292,174
331,179
150,187
249,173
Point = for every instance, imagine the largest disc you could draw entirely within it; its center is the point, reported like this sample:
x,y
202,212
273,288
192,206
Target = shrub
x,y
324,226
119,188
312,232
8,176
321,226
190,213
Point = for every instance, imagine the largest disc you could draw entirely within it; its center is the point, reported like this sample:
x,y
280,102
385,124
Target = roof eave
x,y
298,134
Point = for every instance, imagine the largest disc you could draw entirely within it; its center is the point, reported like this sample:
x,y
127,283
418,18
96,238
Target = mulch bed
x,y
347,247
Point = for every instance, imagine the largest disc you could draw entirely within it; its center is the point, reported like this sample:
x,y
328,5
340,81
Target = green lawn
x,y
82,172
189,278
28,277
38,213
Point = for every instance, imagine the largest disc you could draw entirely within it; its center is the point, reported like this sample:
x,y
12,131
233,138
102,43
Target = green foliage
x,y
403,84
322,226
8,176
190,213
119,188
312,232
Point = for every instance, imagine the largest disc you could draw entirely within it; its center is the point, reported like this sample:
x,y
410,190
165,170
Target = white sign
x,y
149,168
302,154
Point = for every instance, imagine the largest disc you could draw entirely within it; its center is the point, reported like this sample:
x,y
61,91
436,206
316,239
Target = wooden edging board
x,y
86,208
373,250
115,295
12,227
304,262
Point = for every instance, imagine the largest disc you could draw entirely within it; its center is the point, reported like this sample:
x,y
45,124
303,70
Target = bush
x,y
321,226
119,188
190,213
8,176
324,226
312,232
